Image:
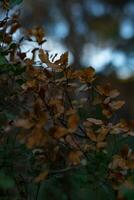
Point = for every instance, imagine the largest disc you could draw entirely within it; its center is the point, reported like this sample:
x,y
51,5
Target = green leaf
x,y
6,182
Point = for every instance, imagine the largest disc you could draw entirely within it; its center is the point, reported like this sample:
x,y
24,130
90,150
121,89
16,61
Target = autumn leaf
x,y
74,157
104,90
30,84
43,56
118,161
41,177
73,122
95,121
36,138
102,134
91,135
38,33
115,105
63,59
71,141
24,123
59,132
100,145
130,164
86,75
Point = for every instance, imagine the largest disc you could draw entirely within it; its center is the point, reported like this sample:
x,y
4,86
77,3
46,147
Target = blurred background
x,y
99,33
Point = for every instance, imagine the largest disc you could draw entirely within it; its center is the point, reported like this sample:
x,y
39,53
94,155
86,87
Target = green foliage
x,y
6,182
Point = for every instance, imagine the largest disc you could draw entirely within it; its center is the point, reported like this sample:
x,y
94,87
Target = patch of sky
x,y
127,29
129,8
96,57
118,59
78,19
95,8
60,29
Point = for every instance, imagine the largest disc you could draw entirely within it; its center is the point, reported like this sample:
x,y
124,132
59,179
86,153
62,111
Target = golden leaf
x,y
41,177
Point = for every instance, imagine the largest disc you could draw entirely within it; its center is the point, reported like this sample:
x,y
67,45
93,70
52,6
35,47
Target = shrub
x,y
60,136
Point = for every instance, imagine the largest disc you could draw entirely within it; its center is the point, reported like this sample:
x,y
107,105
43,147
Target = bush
x,y
60,136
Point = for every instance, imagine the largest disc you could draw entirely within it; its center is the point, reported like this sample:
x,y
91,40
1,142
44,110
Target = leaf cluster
x,y
57,126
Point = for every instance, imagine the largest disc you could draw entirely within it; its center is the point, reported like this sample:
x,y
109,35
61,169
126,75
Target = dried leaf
x,y
41,177
91,135
36,138
102,134
86,75
24,123
59,132
115,105
95,121
43,56
74,157
73,122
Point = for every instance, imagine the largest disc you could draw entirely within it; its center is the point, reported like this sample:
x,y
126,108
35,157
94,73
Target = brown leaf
x,y
102,134
95,121
86,75
24,123
41,177
73,122
59,132
38,33
63,59
36,138
91,135
115,105
100,145
43,56
74,157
